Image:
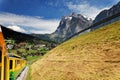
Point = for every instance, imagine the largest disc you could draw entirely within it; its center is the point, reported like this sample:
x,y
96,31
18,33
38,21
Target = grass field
x,y
91,56
32,59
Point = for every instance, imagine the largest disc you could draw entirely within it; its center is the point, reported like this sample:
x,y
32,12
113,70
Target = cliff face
x,y
70,25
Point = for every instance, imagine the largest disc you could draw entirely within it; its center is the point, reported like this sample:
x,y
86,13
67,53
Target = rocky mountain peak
x,y
70,25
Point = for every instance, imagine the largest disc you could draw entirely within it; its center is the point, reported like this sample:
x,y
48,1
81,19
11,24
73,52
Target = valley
x,y
60,40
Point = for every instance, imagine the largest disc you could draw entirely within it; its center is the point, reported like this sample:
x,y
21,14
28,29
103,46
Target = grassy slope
x,y
32,59
92,56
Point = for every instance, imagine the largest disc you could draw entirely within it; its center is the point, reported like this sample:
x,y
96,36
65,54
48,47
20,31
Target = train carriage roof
x,y
14,55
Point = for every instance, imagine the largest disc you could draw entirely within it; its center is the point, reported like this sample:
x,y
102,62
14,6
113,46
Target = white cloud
x,y
85,9
29,22
17,28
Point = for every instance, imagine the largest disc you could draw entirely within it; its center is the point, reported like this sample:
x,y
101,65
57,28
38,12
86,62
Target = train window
x,y
5,67
15,63
18,61
0,56
11,62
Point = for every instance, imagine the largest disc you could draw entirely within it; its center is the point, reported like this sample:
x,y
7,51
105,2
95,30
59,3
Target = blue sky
x,y
43,16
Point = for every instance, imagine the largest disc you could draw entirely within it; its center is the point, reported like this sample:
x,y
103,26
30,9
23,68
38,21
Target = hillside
x,y
19,37
91,56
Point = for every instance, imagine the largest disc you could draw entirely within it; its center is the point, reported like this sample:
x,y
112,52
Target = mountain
x,y
73,24
91,56
107,13
69,25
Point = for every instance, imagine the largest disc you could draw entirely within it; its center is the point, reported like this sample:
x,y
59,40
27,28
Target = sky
x,y
43,16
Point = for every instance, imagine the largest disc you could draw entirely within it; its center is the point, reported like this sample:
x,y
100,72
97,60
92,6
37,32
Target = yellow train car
x,y
4,59
10,64
17,64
